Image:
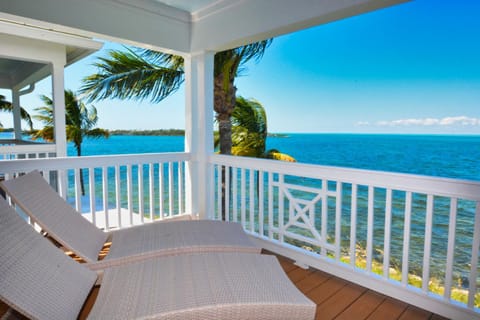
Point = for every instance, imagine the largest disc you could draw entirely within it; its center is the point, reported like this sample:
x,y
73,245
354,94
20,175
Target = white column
x,y
17,123
59,108
199,132
17,92
58,100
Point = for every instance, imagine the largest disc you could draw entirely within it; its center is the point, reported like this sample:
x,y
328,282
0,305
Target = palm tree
x,y
8,107
147,74
80,122
249,136
249,131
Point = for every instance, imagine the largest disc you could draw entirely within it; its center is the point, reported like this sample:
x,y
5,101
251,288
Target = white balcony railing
x,y
118,191
11,149
414,238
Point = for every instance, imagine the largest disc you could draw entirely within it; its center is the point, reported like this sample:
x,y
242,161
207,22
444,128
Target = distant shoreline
x,y
181,132
168,132
159,132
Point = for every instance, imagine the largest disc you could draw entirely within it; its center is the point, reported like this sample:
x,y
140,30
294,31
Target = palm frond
x,y
234,60
127,75
276,155
80,121
251,115
8,107
97,133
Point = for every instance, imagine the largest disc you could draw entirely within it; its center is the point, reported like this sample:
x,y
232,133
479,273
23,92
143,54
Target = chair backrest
x,y
55,216
36,279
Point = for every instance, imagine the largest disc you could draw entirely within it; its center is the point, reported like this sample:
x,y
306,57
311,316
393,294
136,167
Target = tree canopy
x,y
141,74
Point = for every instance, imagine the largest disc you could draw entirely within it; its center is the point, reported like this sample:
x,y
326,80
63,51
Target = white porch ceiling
x,y
26,53
190,5
184,26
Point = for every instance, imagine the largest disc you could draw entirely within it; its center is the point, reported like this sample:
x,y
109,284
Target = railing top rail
x,y
464,189
14,147
91,161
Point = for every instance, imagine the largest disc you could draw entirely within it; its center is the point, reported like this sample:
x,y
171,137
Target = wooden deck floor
x,y
341,300
335,298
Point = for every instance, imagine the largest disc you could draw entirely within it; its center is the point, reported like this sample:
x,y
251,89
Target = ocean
x,y
451,156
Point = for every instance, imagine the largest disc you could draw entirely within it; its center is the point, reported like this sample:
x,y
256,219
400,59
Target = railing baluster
x,y
151,190
353,225
452,225
105,196
338,220
387,234
242,197
270,205
281,200
406,237
472,288
210,207
130,193
235,193
428,244
161,183
180,188
260,203
324,192
118,203
370,226
78,192
219,191
227,193
141,201
252,186
91,190
171,194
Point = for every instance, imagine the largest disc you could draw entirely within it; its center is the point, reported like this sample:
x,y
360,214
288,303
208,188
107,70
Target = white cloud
x,y
462,120
427,122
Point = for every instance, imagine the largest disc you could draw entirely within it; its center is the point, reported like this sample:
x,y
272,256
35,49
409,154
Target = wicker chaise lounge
x,y
64,224
40,282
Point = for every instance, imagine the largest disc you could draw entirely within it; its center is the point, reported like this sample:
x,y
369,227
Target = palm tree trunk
x,y
225,130
78,146
224,95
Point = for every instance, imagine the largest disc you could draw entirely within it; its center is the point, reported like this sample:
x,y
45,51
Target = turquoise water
x,y
434,155
449,156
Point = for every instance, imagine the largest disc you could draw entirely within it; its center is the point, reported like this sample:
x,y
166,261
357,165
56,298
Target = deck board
x,y
414,313
313,280
324,291
364,306
389,309
340,300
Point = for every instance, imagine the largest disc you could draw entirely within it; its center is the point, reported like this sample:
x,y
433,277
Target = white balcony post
x,y
59,118
199,131
59,108
17,125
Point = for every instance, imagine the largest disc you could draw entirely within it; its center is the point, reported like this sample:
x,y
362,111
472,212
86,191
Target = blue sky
x,y
412,68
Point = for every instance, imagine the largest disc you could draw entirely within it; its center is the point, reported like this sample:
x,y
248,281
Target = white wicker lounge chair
x,y
64,224
40,282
